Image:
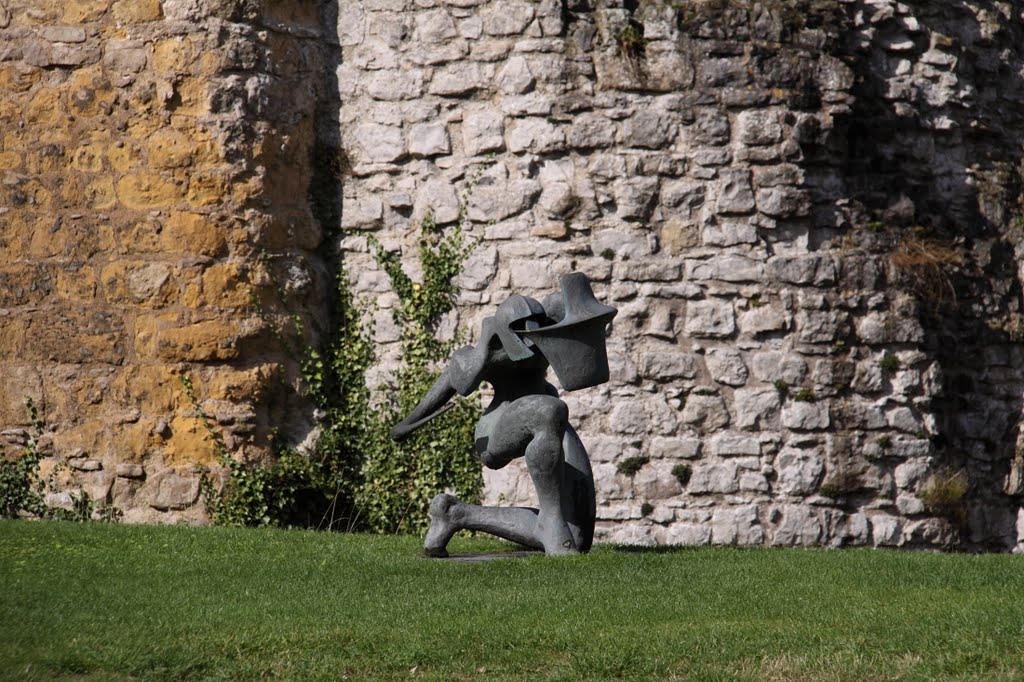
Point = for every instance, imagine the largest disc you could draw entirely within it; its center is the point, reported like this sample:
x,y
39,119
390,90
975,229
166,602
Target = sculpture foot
x,y
441,527
557,541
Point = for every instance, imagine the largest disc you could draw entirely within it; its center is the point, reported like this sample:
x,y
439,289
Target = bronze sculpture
x,y
526,418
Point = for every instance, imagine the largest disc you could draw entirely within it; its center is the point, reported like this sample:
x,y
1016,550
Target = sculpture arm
x,y
463,374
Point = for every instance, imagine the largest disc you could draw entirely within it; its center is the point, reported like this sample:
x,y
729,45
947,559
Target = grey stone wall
x,y
806,212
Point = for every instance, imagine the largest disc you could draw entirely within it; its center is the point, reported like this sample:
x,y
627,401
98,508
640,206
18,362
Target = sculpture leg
x,y
534,427
579,503
448,516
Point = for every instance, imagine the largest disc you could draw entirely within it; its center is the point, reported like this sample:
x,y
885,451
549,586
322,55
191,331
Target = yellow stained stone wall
x,y
148,163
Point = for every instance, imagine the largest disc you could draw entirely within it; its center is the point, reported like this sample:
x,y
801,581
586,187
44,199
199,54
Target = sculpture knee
x,y
549,416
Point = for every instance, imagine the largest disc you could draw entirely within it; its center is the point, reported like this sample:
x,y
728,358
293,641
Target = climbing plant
x,y
356,477
21,488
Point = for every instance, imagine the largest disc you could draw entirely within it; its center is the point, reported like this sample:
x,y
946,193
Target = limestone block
x,y
656,482
438,197
805,416
878,327
679,236
515,77
729,234
726,268
429,139
498,196
758,127
459,79
648,271
365,211
434,26
770,366
885,530
763,318
735,194
479,269
818,326
783,202
128,470
667,70
733,444
393,85
713,478
799,471
675,447
634,197
557,178
710,319
694,530
621,243
666,365
755,408
814,269
736,526
726,366
380,143
173,491
638,417
351,24
62,34
649,129
682,193
710,127
534,274
507,18
535,135
795,526
706,411
591,130
123,60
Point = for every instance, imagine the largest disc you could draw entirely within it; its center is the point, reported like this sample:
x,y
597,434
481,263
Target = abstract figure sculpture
x,y
526,418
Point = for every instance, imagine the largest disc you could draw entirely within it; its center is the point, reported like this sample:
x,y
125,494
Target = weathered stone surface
x,y
173,491
726,366
483,130
805,416
710,319
758,127
799,471
735,194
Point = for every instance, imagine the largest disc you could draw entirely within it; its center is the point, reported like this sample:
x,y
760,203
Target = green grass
x,y
99,602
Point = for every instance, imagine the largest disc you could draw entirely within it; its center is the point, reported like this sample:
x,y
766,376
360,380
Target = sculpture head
x,y
574,342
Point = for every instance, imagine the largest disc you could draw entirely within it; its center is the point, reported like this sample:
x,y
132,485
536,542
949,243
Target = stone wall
x,y
150,152
804,211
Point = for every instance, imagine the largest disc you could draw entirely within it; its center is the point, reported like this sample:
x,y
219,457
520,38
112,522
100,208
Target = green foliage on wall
x,y
21,489
356,477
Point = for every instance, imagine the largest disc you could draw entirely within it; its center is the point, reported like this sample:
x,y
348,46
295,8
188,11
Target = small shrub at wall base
x,y
646,508
943,494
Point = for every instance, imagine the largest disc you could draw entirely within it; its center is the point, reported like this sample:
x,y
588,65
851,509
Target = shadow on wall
x,y
945,162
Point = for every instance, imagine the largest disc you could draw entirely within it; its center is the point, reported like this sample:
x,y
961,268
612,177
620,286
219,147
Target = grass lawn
x,y
99,602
